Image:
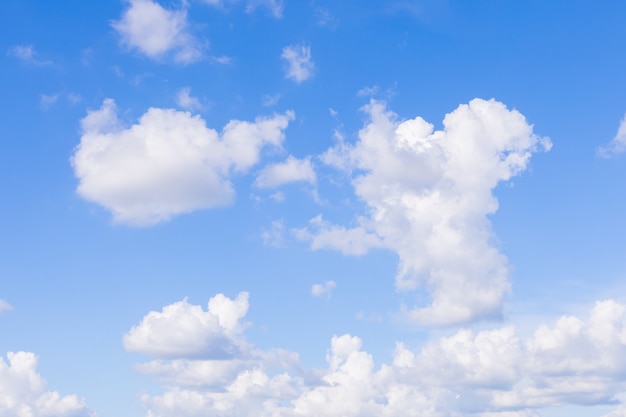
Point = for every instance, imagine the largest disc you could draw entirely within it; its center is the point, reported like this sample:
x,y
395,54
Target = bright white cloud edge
x,y
168,163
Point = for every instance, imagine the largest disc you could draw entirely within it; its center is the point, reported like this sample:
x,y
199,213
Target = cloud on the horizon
x,y
167,164
300,66
618,144
155,31
23,391
489,373
428,195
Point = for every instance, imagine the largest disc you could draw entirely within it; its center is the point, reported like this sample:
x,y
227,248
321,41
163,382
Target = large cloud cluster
x,y
490,373
168,163
429,194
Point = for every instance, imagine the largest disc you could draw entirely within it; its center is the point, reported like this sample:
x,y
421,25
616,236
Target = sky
x,y
281,208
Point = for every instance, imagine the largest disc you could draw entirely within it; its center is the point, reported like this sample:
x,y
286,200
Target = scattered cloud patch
x,y
300,66
23,391
45,101
169,163
274,236
270,100
4,306
185,100
618,144
274,7
27,54
155,31
289,171
325,289
368,91
429,194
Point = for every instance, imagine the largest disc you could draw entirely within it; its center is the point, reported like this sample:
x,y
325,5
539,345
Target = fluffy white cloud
x,y
490,373
155,31
300,66
168,163
292,170
183,330
618,144
429,194
326,288
4,306
185,100
23,391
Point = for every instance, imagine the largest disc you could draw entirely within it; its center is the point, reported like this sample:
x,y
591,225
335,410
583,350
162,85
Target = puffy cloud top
x,y
428,195
168,163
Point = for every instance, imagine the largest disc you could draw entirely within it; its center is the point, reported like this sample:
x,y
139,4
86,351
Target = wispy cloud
x,y
27,54
300,65
618,144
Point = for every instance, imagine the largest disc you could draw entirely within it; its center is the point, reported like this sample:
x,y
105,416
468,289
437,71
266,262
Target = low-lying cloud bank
x,y
493,372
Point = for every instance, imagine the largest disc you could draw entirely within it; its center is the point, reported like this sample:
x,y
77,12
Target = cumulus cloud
x,y
428,195
618,144
4,306
292,170
183,330
185,100
300,67
490,373
326,288
168,163
155,31
23,391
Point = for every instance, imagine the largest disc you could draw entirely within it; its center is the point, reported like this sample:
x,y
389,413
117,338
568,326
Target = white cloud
x,y
183,330
274,236
300,66
48,100
270,100
23,391
27,54
156,31
185,100
429,195
168,163
326,288
4,306
274,7
490,373
292,170
618,144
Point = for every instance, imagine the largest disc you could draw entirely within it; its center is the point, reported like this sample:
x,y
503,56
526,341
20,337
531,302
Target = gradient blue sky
x,y
275,157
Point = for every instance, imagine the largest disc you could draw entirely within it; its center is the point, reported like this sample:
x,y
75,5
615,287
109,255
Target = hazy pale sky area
x,y
313,208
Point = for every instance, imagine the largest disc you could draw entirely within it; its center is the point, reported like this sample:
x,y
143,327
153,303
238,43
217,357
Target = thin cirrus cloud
x,y
23,391
429,195
490,373
289,171
618,144
157,32
28,54
4,306
168,163
300,66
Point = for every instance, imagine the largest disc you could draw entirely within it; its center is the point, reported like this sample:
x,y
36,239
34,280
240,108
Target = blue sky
x,y
315,208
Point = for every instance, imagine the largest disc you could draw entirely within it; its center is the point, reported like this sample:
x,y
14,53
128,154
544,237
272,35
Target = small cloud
x,y
368,91
274,236
292,170
333,112
326,289
223,60
185,100
371,317
301,67
618,144
270,100
274,7
156,32
278,197
4,306
27,53
74,98
325,18
45,101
